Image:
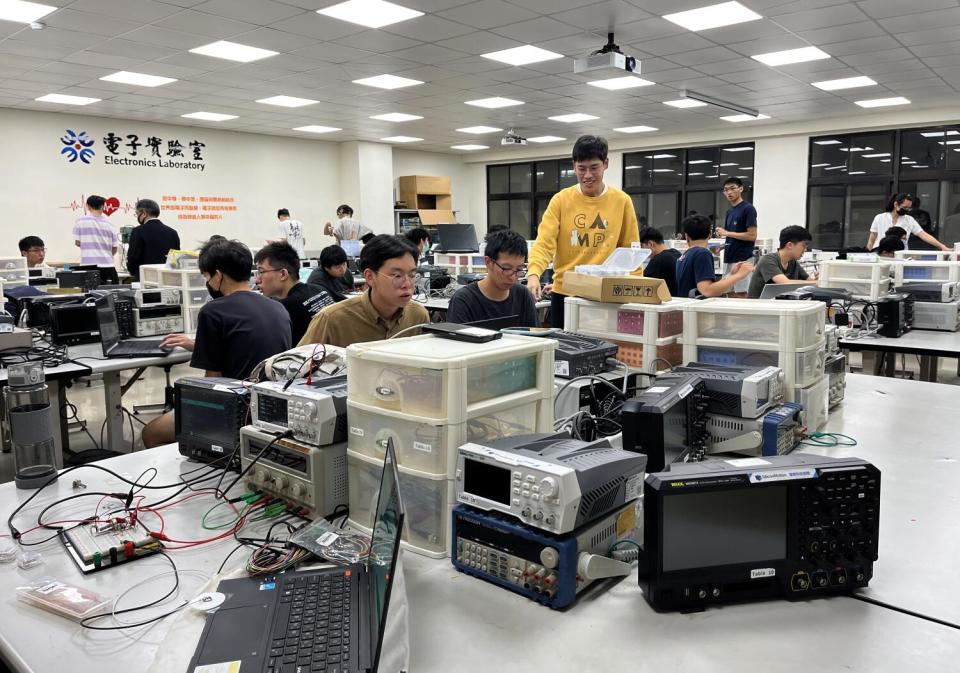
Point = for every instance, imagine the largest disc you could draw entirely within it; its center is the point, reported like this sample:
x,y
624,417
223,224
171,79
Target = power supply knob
x,y
548,487
281,482
297,488
549,557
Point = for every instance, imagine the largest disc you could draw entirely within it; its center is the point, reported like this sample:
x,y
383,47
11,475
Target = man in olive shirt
x,y
389,266
278,277
782,266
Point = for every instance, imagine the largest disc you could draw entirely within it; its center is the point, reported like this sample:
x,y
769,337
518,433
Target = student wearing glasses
x,y
389,267
498,294
33,249
277,276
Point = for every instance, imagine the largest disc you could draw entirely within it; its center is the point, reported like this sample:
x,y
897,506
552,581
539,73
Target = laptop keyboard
x,y
312,631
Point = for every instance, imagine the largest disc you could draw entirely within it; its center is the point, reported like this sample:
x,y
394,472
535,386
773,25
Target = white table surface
x,y
919,342
459,623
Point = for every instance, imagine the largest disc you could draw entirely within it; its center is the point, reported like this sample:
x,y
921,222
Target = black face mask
x,y
903,211
216,294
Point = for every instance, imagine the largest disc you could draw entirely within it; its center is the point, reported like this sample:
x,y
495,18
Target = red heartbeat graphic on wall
x,y
112,205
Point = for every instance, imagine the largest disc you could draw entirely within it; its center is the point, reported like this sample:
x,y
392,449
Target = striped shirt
x,y
97,239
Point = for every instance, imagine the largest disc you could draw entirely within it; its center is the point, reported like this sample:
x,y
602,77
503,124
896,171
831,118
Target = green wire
x,y
829,439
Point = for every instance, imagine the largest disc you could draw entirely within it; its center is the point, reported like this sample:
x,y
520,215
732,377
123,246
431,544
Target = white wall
x,y
42,193
462,178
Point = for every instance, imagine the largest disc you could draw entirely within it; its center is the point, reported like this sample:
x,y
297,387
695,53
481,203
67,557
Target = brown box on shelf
x,y
425,192
431,217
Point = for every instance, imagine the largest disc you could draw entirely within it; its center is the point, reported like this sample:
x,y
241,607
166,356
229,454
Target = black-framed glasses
x,y
510,271
36,250
259,272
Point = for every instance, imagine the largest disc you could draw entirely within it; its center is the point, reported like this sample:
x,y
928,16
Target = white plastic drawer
x,y
429,446
428,504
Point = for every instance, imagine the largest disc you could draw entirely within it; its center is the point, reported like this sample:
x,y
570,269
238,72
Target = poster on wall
x,y
132,149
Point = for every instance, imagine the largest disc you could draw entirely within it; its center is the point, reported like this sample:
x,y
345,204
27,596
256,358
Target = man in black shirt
x,y
277,276
152,240
332,274
663,260
498,294
235,332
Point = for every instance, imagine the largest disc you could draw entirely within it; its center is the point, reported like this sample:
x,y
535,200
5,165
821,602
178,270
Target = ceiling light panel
x,y
479,129
209,116
469,148
370,13
801,55
524,55
743,118
396,117
316,128
495,102
287,101
713,16
401,139
684,103
387,82
63,99
23,12
233,51
619,83
573,117
545,139
845,83
635,129
137,79
883,102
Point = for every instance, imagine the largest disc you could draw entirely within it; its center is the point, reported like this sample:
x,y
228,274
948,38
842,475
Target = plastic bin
x,y
763,324
13,270
190,317
800,368
868,279
617,320
644,356
196,296
428,503
160,275
815,399
929,255
442,378
430,446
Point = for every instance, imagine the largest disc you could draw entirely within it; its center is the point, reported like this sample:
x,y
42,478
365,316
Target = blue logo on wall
x,y
77,146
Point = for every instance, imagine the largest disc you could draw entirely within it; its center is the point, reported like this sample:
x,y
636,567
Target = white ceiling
x,y
912,48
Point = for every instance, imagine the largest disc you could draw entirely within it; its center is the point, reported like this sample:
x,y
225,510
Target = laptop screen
x,y
351,247
385,542
107,319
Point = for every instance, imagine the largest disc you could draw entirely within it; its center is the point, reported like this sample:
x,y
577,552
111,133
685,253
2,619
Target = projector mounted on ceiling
x,y
511,138
609,57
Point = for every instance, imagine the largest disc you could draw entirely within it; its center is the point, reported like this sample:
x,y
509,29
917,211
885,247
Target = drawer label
x,y
356,431
420,446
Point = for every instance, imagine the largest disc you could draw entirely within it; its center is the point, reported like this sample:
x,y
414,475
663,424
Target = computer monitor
x,y
108,275
457,238
351,247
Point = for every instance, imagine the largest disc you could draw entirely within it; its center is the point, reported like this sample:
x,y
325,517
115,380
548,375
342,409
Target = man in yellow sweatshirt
x,y
582,225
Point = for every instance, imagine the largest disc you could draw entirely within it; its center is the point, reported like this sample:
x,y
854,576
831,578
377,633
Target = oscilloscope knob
x,y
548,487
310,409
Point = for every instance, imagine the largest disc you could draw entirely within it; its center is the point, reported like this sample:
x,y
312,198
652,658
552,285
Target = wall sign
x,y
134,149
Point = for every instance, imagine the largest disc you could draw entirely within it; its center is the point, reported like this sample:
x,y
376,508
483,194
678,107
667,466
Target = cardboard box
x,y
437,217
425,192
616,289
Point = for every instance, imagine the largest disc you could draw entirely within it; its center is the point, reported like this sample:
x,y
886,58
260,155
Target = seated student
x,y
34,250
899,232
783,265
237,330
498,294
420,237
889,245
663,260
389,266
695,266
277,276
332,274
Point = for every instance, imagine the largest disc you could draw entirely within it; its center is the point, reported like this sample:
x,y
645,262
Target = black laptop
x,y
329,620
457,238
113,345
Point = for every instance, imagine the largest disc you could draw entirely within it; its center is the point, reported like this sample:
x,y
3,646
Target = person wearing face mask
x,y
236,331
420,237
152,240
897,213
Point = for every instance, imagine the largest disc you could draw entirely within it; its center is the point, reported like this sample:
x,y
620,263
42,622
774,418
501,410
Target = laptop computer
x,y
457,238
772,290
116,347
329,619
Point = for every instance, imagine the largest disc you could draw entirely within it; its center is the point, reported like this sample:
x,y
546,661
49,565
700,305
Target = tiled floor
x,y
90,408
89,402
